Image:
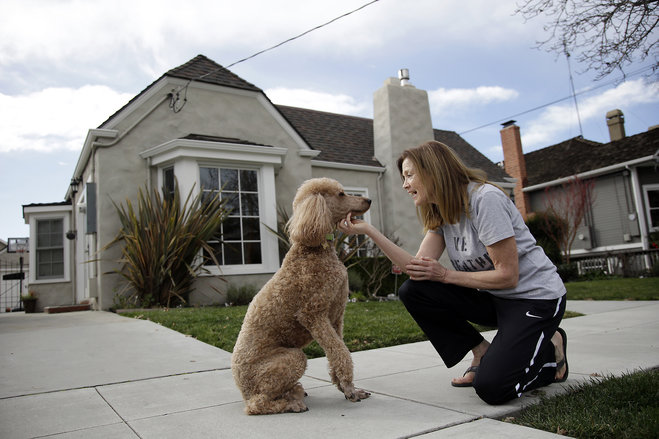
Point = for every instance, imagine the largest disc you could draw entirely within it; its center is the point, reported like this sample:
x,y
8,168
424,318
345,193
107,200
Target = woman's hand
x,y
352,226
424,268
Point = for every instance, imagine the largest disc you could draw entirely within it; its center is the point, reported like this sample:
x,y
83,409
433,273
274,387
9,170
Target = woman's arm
x,y
396,255
505,274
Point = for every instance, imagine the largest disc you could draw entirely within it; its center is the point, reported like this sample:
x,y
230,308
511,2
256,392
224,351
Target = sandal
x,y
473,369
563,362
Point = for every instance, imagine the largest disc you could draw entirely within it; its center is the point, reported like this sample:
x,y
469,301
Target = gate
x,y
13,284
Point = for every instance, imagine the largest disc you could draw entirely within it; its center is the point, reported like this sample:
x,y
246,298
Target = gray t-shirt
x,y
494,217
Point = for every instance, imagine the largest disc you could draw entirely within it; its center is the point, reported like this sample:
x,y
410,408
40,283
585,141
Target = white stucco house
x,y
202,124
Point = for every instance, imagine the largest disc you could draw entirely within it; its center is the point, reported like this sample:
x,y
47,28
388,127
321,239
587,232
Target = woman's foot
x,y
468,377
560,343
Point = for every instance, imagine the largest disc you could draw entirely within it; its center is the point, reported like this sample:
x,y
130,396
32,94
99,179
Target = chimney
x,y
616,122
401,120
515,165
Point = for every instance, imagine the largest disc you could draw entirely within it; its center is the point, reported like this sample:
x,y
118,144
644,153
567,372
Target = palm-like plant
x,y
166,244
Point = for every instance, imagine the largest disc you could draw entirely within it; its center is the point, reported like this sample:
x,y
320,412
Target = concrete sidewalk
x,y
99,375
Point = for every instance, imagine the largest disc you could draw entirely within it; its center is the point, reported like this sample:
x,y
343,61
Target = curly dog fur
x,y
304,301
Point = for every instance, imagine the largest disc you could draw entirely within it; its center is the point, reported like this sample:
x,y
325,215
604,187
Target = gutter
x,y
589,174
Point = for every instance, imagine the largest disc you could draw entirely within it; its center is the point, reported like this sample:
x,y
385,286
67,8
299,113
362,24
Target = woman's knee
x,y
409,291
492,391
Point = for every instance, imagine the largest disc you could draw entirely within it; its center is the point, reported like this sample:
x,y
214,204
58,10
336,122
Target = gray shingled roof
x,y
578,155
339,138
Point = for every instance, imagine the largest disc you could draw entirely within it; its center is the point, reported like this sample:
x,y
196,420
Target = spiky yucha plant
x,y
166,244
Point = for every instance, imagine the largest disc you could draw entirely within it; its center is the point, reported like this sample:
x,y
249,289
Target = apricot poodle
x,y
304,301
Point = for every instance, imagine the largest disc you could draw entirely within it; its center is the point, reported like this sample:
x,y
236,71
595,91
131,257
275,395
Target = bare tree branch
x,y
606,35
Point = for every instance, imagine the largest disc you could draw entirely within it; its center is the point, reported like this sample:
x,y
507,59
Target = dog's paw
x,y
296,407
353,394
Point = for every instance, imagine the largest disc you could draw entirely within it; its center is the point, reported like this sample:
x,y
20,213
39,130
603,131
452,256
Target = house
x,y
625,171
204,125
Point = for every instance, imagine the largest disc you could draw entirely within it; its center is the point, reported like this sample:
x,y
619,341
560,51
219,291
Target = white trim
x,y
605,249
211,150
648,216
590,174
36,213
347,166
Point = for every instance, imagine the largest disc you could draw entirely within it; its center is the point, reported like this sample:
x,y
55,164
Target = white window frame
x,y
49,213
647,188
187,156
362,192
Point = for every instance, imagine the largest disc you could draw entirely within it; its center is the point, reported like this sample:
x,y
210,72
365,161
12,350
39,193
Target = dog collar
x,y
329,237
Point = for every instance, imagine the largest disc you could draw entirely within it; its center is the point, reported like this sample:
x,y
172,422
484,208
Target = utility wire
x,y
588,90
295,37
175,99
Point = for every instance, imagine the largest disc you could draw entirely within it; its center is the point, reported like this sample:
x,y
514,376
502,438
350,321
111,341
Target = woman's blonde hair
x,y
445,179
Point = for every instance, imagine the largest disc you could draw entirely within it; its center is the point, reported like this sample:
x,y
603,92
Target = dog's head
x,y
319,204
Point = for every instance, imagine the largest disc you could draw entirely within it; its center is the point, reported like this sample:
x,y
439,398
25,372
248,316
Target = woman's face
x,y
412,183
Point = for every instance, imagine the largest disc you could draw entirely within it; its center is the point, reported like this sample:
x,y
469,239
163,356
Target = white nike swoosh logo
x,y
528,314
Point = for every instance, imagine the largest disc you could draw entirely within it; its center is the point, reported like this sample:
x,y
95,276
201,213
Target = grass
x,y
614,407
614,289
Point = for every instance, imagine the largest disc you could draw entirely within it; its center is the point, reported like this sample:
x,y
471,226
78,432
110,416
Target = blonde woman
x,y
500,278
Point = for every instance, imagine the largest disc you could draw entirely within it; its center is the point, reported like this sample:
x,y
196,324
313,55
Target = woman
x,y
500,278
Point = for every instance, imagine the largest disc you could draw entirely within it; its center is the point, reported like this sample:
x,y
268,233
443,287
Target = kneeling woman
x,y
501,278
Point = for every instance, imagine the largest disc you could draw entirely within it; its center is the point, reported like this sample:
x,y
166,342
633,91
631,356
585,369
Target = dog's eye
x,y
342,194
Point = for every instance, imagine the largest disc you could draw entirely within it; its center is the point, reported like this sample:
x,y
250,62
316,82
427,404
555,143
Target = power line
x,y
295,37
175,99
588,90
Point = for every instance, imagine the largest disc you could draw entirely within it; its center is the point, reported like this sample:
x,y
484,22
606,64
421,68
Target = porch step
x,y
67,308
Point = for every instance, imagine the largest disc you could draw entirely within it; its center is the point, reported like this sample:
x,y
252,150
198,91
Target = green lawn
x,y
614,289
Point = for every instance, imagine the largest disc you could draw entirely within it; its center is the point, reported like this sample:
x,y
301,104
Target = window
x,y
239,241
360,239
652,203
50,249
168,184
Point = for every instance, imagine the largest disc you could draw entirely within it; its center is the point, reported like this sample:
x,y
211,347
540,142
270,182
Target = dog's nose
x,y
368,200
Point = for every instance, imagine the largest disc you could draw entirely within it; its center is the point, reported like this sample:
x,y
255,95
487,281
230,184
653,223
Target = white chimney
x,y
404,77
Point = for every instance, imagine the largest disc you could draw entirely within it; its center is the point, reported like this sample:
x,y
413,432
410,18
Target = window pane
x,y
248,181
250,204
231,229
252,253
208,178
229,180
233,253
232,204
251,229
653,196
654,217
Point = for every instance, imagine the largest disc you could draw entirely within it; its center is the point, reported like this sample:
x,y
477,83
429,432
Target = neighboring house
x,y
625,171
204,126
14,264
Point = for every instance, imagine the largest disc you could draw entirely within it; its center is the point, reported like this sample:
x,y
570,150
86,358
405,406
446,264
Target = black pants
x,y
521,356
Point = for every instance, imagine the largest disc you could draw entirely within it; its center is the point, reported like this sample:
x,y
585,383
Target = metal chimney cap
x,y
404,74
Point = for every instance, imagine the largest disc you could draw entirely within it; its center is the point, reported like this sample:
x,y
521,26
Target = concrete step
x,y
67,308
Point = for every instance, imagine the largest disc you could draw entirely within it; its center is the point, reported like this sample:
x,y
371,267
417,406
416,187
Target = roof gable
x,y
578,155
202,69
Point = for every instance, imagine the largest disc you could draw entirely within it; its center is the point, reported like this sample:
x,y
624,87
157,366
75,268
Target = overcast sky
x,y
66,66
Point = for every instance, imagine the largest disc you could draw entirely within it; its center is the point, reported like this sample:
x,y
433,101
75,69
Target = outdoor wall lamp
x,y
75,181
71,235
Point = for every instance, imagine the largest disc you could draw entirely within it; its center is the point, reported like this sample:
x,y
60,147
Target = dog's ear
x,y
311,221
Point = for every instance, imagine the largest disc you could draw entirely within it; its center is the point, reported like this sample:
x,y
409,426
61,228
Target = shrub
x,y
163,241
242,295
543,227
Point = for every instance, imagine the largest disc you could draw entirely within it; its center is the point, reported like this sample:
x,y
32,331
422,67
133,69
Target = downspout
x,y
380,212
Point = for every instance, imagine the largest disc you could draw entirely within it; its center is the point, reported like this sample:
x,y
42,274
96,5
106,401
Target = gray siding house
x,y
199,122
625,171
